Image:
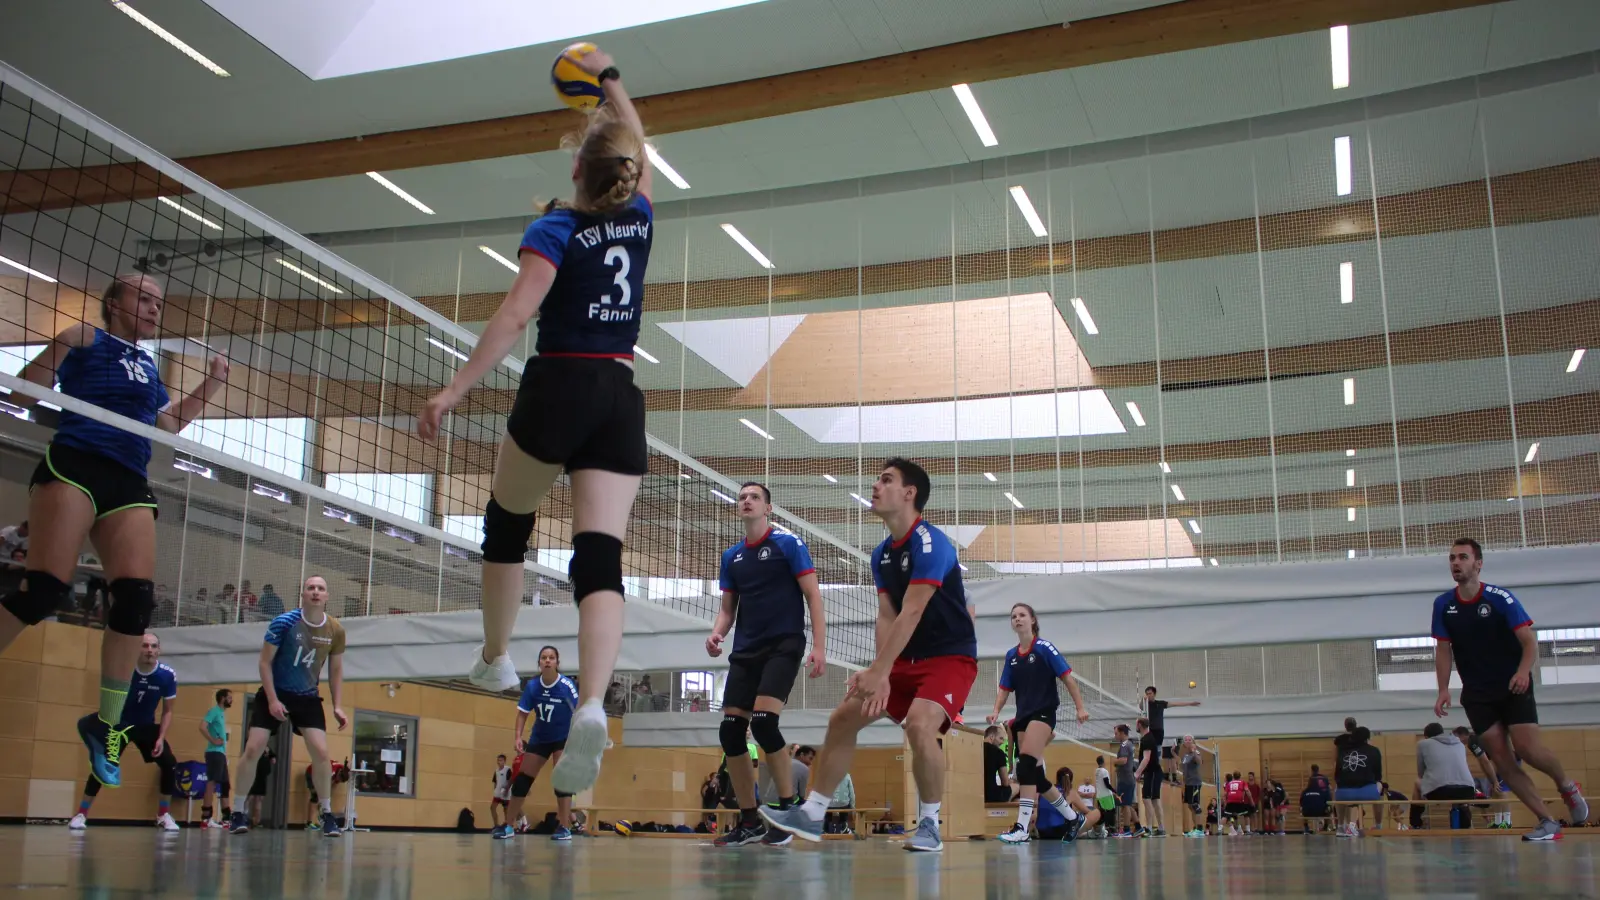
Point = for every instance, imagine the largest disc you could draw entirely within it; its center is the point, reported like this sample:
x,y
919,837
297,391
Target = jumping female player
x,y
1031,669
581,270
92,484
551,699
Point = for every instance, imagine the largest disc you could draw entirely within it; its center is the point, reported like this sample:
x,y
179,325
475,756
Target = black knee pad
x,y
596,564
562,795
506,534
732,735
521,785
764,727
1029,771
133,602
37,598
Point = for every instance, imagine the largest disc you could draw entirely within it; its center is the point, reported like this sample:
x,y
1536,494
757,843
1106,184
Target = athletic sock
x,y
113,694
227,811
816,805
787,802
327,805
83,806
1062,806
1024,813
928,811
205,812
163,806
748,817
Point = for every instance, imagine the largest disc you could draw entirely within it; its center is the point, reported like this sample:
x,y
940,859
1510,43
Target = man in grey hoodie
x,y
1442,772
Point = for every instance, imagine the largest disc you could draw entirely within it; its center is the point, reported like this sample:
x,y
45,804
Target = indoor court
x,y
1172,414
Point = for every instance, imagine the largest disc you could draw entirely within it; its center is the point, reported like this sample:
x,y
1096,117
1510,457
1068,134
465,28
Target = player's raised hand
x,y
594,62
219,368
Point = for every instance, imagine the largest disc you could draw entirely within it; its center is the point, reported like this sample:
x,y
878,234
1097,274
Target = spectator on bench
x,y
1359,777
996,789
1442,772
1317,798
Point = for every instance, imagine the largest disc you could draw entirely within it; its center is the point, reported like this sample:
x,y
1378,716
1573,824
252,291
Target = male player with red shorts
x,y
926,662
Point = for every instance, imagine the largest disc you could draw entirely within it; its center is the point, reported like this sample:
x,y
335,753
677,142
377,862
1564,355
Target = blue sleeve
x,y
1439,634
1516,616
525,705
1058,663
572,692
877,576
169,690
799,557
275,631
643,204
1005,669
724,581
932,561
548,236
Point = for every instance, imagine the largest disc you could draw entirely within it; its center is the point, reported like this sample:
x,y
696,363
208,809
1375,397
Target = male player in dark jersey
x,y
154,683
768,583
296,646
1489,637
926,661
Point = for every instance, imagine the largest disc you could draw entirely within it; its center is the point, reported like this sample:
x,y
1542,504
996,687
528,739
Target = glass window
x,y
468,528
408,496
275,444
386,744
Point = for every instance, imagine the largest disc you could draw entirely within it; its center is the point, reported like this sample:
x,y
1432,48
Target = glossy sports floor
x,y
48,861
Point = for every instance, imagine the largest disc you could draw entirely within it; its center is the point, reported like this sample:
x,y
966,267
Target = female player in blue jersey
x,y
1030,670
92,483
577,410
551,699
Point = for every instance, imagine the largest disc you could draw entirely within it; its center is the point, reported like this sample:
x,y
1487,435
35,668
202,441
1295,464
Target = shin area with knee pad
x,y
505,533
37,598
764,727
732,735
133,603
1031,771
596,564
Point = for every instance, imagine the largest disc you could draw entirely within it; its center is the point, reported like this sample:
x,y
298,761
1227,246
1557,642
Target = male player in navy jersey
x,y
768,583
926,661
551,699
1489,637
154,684
292,655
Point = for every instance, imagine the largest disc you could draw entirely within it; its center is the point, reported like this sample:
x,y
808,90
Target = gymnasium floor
x,y
47,861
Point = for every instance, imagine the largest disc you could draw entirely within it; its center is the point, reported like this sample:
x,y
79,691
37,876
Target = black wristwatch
x,y
609,73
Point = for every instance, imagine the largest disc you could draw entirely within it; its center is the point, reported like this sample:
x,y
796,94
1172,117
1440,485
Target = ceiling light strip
x,y
170,38
1339,50
400,192
1349,392
1533,450
1572,364
741,240
1343,174
495,255
308,276
1014,501
1029,214
756,428
640,352
189,212
1082,310
447,348
662,166
43,277
1133,410
975,114
1347,282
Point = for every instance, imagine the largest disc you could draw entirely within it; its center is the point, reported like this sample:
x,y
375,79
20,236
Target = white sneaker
x,y
499,676
79,822
587,741
165,822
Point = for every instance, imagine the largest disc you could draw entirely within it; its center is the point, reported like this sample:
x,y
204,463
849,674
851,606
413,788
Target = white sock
x,y
1024,813
1064,807
928,811
816,805
327,806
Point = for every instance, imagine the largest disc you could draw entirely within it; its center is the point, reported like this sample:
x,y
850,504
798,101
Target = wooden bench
x,y
858,819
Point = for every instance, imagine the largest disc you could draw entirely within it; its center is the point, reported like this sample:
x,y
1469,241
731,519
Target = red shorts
x,y
945,680
499,802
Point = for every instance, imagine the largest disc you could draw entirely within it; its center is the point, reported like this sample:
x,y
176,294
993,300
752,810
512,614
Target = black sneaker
x,y
1073,827
330,825
777,838
239,824
741,835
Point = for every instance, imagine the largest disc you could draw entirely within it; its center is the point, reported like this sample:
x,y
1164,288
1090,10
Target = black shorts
x,y
259,789
1152,784
1486,709
545,749
1047,716
1191,796
217,770
1234,810
304,712
144,737
581,414
768,670
110,486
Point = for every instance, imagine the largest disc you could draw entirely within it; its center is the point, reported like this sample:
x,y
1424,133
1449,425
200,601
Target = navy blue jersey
x,y
593,307
145,693
116,376
926,556
1032,674
765,575
551,706
1483,633
302,649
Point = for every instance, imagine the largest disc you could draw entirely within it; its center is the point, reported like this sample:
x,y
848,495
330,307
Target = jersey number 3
x,y
618,256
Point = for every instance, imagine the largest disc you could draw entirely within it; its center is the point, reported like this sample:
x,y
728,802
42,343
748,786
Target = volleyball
x,y
576,88
624,828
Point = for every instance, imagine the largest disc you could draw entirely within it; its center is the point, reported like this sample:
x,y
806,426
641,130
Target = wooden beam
x,y
1169,28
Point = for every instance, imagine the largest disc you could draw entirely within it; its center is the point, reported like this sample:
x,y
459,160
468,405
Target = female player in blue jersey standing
x,y
1030,670
92,483
551,699
577,410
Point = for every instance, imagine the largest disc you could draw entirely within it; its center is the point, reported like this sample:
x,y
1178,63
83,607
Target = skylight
x,y
980,419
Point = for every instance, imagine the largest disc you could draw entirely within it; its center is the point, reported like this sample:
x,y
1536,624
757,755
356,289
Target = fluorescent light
x,y
639,351
398,192
1014,501
721,496
11,409
990,476
975,114
1347,282
1350,452
861,500
492,254
1194,526
333,512
189,212
1343,181
308,276
1133,410
1339,45
1178,492
1350,554
1572,364
1511,499
1083,315
448,349
43,277
1349,477
1165,469
757,429
685,476
167,36
963,566
1349,392
193,468
266,490
1213,560
1350,514
1533,450
665,169
749,248
1029,214
829,478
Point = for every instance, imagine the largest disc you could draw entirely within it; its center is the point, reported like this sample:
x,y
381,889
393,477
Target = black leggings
x,y
144,737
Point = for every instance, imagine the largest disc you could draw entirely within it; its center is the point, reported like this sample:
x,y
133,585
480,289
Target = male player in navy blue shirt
x,y
154,685
926,661
1489,637
768,583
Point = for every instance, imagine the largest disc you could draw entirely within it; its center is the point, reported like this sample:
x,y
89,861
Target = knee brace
x,y
732,735
37,598
562,795
506,534
1029,771
133,602
764,726
596,564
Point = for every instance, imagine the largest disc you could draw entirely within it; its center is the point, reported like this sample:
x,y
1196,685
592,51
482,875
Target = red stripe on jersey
x,y
927,581
805,573
907,536
535,251
587,355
